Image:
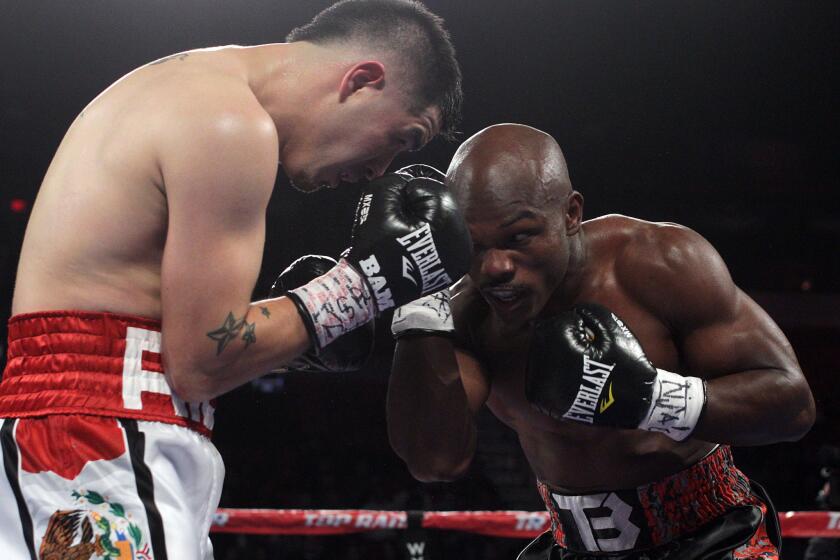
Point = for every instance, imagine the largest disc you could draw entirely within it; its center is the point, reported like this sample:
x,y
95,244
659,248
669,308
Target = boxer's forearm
x,y
430,424
756,407
244,346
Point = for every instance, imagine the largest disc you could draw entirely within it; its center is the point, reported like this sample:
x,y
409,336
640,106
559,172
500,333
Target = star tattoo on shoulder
x,y
227,332
266,312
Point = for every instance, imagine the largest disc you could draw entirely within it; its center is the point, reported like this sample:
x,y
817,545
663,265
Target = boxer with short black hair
x,y
132,297
415,37
619,350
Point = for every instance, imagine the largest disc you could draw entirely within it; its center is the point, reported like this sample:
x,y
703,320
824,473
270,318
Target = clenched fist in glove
x,y
586,366
349,352
409,240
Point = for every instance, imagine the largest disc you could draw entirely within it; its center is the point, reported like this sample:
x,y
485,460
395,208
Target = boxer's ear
x,y
367,74
574,213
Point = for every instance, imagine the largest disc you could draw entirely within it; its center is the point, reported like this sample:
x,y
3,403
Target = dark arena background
x,y
722,116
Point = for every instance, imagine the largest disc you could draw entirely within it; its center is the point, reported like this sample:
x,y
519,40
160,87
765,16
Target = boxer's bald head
x,y
509,161
512,183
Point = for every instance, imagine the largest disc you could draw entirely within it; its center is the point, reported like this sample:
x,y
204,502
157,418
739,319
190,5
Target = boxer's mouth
x,y
505,295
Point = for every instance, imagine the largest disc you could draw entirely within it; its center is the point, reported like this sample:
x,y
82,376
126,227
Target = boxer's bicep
x,y
719,329
682,280
756,392
217,189
736,335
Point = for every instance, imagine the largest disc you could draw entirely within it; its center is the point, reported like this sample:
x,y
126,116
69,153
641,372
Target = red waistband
x,y
82,362
667,509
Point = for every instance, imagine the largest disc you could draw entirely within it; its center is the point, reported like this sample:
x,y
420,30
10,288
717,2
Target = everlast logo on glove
x,y
623,390
424,253
393,252
594,377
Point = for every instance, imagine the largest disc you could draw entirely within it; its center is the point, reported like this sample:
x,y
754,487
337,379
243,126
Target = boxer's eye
x,y
521,238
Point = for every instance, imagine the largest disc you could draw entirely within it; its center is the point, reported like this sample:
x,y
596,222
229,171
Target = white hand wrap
x,y
429,314
676,405
337,302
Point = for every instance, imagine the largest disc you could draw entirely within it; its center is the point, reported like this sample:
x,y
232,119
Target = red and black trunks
x,y
708,506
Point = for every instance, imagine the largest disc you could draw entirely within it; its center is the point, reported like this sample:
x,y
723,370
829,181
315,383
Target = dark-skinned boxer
x,y
619,350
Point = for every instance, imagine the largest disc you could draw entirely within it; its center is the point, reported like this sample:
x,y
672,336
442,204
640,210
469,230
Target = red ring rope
x,y
513,524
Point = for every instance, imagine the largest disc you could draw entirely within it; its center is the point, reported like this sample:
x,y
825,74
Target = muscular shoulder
x,y
225,115
469,311
673,271
222,137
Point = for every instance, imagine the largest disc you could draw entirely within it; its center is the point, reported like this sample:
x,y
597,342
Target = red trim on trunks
x,y
102,364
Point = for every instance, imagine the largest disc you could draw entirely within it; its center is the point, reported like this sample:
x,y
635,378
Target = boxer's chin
x,y
303,187
304,184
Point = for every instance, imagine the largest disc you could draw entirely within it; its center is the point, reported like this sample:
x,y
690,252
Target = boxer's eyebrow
x,y
523,215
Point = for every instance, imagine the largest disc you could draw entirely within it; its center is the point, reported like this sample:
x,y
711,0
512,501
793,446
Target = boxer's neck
x,y
280,76
577,274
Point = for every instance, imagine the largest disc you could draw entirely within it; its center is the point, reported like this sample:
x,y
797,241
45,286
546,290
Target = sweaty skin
x,y
533,257
154,204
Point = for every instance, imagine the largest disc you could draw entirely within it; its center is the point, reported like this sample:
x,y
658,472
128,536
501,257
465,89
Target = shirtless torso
x,y
99,227
154,204
568,455
132,305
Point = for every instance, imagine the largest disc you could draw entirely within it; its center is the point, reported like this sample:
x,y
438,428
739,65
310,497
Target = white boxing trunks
x,y
99,459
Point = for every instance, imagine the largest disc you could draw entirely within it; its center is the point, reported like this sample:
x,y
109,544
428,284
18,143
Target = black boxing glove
x,y
586,366
430,314
347,353
408,240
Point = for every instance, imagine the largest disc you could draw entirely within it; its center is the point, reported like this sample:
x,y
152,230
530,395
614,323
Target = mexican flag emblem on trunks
x,y
98,529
